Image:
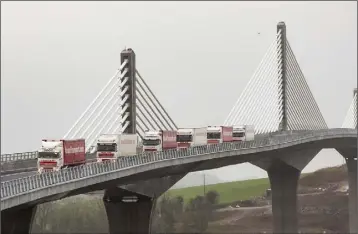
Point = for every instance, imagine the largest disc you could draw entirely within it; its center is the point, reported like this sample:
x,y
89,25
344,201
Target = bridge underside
x,y
14,221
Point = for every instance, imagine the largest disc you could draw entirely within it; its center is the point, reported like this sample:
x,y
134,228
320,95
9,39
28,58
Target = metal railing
x,y
18,156
40,181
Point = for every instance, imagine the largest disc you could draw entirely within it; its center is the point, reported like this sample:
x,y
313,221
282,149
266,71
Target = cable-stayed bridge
x,y
277,101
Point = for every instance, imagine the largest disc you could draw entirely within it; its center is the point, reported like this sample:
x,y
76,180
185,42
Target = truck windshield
x,y
214,135
238,134
48,155
151,142
106,147
184,138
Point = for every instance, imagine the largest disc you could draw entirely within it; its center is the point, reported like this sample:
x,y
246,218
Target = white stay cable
x,y
114,86
298,98
163,126
249,98
250,93
150,91
350,119
256,111
235,109
317,112
90,106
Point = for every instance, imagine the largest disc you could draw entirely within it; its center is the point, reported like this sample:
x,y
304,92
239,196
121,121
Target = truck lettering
x,y
71,150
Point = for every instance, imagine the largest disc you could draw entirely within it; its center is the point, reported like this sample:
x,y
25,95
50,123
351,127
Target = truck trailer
x,y
244,133
159,140
219,134
57,154
112,146
190,137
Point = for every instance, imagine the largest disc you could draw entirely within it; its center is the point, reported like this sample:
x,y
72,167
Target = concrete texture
x,y
350,156
284,180
127,217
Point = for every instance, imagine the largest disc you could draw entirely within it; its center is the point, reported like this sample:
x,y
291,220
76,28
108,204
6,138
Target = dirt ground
x,y
322,208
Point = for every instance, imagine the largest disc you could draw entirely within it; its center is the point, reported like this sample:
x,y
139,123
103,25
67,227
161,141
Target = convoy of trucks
x,y
57,154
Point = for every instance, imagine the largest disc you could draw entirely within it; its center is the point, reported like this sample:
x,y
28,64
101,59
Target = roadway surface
x,y
18,175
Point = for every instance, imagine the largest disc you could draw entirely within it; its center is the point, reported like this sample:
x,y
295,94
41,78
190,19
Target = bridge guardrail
x,y
35,182
18,156
33,154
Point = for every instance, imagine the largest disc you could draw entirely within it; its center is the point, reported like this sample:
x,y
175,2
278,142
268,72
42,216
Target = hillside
x,y
229,192
241,190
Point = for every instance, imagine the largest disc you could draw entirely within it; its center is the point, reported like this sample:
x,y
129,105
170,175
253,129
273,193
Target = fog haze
x,y
197,58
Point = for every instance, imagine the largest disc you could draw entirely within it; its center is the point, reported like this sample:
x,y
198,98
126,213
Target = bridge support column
x,y
284,179
17,221
350,155
352,197
128,212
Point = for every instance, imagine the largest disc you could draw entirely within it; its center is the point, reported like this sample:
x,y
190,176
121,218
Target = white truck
x,y
57,154
159,140
112,146
244,133
189,137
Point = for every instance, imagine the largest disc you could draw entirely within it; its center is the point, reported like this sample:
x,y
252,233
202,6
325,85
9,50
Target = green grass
x,y
229,192
243,190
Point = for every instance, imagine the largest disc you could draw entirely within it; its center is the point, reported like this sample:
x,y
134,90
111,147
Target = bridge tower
x,y
128,90
356,108
282,70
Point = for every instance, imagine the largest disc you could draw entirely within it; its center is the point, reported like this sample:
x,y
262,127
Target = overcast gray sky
x,y
196,56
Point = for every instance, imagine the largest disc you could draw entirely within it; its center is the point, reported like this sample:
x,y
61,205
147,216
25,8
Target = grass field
x,y
242,190
229,192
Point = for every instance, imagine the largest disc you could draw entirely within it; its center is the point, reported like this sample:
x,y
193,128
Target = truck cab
x,y
184,138
219,134
50,156
107,145
244,133
214,135
152,141
238,133
112,146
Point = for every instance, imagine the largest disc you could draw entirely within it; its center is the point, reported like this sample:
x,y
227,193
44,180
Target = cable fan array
x,y
104,114
350,121
150,118
303,112
261,103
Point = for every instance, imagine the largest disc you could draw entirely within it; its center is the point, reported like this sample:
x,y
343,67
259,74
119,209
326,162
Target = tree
x,y
197,214
212,197
164,220
177,205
